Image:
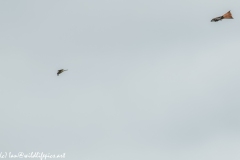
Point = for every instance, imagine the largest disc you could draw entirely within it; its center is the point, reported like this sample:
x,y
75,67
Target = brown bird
x,y
227,15
60,71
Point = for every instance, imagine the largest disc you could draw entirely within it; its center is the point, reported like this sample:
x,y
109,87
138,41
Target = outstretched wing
x,y
59,72
217,19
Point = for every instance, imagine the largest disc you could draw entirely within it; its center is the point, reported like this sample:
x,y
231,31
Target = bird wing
x,y
217,19
59,72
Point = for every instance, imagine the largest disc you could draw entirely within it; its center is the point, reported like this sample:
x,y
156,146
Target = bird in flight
x,y
60,71
227,15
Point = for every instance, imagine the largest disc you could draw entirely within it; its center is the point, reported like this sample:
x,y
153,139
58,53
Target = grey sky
x,y
146,79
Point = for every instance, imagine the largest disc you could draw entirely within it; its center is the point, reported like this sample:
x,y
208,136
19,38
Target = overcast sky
x,y
146,79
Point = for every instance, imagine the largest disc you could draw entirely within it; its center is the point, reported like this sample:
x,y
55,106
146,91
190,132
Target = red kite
x,y
60,71
227,15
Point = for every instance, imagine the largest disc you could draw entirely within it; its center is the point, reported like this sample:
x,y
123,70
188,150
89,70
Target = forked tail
x,y
228,15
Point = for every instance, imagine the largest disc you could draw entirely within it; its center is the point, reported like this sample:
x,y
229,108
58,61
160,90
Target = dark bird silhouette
x,y
227,15
60,71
